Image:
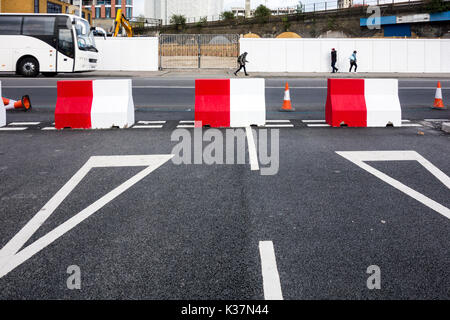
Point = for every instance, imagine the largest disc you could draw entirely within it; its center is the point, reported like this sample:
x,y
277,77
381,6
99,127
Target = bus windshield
x,y
85,37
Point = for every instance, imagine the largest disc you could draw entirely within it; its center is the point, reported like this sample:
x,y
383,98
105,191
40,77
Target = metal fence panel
x,y
198,51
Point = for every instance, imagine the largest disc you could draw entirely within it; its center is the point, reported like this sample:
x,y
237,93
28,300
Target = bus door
x,y
66,50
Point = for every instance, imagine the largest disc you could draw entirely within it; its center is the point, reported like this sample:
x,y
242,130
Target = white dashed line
x,y
13,129
411,125
152,122
277,126
271,278
278,121
315,125
48,128
313,121
186,126
23,123
187,121
148,127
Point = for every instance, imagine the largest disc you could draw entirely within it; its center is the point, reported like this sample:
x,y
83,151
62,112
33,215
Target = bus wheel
x,y
29,67
49,74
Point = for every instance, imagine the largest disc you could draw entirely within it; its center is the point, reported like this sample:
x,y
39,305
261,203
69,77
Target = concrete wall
x,y
314,25
374,55
128,54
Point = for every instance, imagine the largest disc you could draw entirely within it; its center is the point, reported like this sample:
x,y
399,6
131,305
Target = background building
x,y
42,6
345,4
192,10
248,8
104,11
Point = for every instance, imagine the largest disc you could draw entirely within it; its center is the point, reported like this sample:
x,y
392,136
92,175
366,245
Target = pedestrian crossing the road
x,y
18,126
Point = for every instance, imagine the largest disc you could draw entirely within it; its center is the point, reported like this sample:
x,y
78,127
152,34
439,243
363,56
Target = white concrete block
x,y
382,102
247,102
112,105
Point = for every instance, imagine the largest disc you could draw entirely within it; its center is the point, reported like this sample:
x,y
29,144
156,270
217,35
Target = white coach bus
x,y
46,43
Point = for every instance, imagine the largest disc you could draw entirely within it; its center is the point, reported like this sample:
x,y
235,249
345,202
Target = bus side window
x,y
39,26
10,26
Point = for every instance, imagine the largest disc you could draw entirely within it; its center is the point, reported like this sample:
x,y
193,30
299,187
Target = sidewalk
x,y
220,73
228,73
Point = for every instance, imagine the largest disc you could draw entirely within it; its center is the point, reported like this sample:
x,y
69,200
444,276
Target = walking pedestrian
x,y
333,60
242,60
353,61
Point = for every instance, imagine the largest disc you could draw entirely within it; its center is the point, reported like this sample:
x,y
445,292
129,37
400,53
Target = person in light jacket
x,y
353,61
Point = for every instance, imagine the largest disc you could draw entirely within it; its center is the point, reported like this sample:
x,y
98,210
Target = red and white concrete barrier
x,y
94,104
230,102
363,103
2,109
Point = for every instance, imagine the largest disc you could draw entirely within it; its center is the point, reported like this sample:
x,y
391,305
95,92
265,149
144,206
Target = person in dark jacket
x,y
242,60
333,60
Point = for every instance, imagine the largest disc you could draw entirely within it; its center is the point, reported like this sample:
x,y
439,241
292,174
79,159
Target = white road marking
x,y
421,88
313,125
437,120
271,278
277,126
29,87
253,157
411,125
278,121
400,88
11,257
148,127
23,123
134,87
12,129
163,87
359,158
313,121
152,122
48,128
186,126
187,121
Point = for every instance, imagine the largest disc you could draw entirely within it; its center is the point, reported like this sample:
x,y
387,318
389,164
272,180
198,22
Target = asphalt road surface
x,y
146,227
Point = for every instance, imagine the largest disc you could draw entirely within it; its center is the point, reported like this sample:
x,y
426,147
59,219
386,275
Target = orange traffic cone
x,y
438,102
287,106
24,103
